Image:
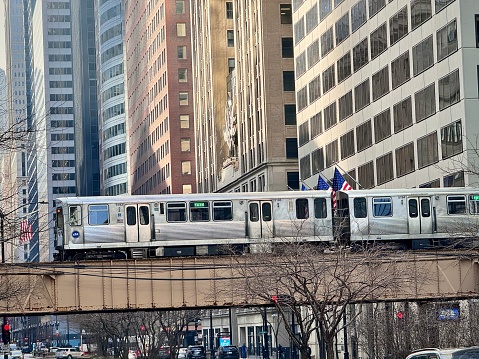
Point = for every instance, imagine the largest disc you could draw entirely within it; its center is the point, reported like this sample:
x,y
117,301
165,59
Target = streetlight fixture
x,y
2,233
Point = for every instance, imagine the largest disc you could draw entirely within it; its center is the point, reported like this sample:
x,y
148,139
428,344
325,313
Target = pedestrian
x,y
308,352
244,351
281,351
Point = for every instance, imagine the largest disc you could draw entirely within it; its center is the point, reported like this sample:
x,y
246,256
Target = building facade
x,y
245,108
159,102
387,91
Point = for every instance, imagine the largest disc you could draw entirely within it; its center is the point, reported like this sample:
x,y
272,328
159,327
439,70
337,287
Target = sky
x,y
2,37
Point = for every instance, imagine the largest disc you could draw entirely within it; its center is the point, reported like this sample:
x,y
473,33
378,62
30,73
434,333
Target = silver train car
x,y
208,224
184,225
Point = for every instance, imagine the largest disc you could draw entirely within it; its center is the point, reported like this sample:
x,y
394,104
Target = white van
x,y
453,353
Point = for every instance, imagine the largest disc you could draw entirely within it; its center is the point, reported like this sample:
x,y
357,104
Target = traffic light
x,y
6,333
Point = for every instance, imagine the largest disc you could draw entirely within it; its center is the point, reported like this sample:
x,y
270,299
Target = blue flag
x,y
303,187
322,184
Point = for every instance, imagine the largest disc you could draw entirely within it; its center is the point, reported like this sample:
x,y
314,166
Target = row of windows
x,y
60,71
59,57
112,72
62,137
113,91
59,44
113,111
62,150
59,31
61,110
115,170
61,97
405,159
114,131
61,123
63,176
112,52
111,33
114,151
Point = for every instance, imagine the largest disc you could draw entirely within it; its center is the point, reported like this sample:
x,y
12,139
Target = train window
x,y
360,209
413,212
456,204
320,210
266,211
425,207
98,214
131,216
199,211
382,207
474,204
144,215
253,212
222,211
75,215
176,212
302,211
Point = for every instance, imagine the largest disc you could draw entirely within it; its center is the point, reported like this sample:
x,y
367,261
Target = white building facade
x,y
387,91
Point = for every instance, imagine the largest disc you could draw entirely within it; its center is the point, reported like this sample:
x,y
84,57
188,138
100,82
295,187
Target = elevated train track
x,y
210,281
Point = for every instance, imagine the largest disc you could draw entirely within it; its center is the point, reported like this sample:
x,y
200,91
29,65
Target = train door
x,y
137,223
419,215
260,219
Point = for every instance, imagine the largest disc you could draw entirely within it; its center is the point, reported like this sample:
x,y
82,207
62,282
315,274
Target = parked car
x,y
182,353
15,354
68,353
53,349
27,349
453,353
227,352
164,353
196,352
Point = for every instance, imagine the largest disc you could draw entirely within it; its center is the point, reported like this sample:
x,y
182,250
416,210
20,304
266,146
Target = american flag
x,y
25,231
339,183
322,184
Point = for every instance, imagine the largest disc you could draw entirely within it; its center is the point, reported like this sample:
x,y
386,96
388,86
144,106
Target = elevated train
x,y
203,224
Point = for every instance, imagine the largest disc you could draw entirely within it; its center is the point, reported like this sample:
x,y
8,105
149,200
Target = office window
x,y
379,41
332,155
345,104
358,15
316,125
290,115
400,70
344,67
291,148
329,79
185,145
183,98
422,56
382,125
293,180
231,65
365,177
311,18
427,151
441,4
181,52
303,132
287,48
180,6
230,36
477,30
421,10
405,159
347,145
327,43
449,90
314,89
360,54
384,168
184,121
362,96
302,98
433,184
299,31
398,26
186,167
446,40
325,8
313,53
402,114
288,80
317,160
301,64
342,28
425,102
229,9
380,83
454,180
181,29
305,166
330,117
364,136
286,14
182,75
451,139
375,6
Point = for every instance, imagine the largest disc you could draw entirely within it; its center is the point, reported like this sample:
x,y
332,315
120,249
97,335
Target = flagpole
x,y
359,184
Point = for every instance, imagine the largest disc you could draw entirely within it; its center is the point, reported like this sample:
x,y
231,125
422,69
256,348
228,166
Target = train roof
x,y
410,191
195,197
